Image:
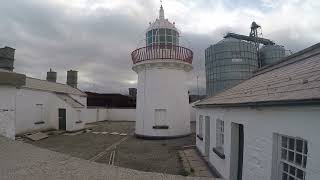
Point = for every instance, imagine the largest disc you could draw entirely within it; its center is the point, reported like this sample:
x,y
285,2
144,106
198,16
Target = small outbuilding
x,y
266,127
29,104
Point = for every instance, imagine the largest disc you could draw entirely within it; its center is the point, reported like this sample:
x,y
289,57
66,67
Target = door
x,y
62,119
236,157
207,136
160,117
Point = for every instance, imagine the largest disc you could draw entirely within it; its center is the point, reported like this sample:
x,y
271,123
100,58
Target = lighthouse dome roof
x,y
161,22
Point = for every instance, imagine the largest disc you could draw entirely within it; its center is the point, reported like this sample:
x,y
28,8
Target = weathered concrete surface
x,y
144,155
24,161
191,160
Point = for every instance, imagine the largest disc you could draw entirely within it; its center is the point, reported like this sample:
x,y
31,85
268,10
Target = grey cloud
x,y
98,44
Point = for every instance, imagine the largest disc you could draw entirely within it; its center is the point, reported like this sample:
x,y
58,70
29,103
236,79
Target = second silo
x,y
229,62
270,54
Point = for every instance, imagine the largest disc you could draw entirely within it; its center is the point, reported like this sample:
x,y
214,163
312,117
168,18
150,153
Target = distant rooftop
x,y
20,80
295,79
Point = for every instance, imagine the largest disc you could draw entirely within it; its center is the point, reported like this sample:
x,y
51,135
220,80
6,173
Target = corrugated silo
x,y
270,54
72,78
229,62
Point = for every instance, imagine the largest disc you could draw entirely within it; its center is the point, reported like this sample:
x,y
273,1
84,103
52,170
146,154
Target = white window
x,y
220,135
79,115
200,133
160,116
292,158
39,113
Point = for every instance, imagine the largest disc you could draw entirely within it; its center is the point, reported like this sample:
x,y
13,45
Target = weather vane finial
x,y
161,12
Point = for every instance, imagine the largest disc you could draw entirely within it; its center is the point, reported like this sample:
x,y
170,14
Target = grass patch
x,y
191,170
184,173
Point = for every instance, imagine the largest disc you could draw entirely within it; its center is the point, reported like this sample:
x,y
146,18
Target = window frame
x,y
283,166
220,136
200,128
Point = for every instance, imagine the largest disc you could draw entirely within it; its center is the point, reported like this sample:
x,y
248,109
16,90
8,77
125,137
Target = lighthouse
x,y
162,67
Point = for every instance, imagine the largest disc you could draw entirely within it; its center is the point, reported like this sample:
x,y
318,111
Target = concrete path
x,y
194,164
19,160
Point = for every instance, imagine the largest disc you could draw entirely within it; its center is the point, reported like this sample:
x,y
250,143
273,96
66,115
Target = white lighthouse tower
x,y
162,98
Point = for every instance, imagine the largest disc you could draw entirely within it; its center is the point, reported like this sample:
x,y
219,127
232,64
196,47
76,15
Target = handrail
x,y
162,52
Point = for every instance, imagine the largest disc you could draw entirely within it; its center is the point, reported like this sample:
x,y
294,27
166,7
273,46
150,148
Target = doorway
x,y
207,136
160,117
236,156
62,119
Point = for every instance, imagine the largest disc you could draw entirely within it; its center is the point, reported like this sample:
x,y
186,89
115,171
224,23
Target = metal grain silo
x,y
270,54
229,62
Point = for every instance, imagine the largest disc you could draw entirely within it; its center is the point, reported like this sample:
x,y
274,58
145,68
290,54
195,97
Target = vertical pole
x,y
198,88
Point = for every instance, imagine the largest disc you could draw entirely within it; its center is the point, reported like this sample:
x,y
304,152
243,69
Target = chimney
x,y
52,76
72,78
7,58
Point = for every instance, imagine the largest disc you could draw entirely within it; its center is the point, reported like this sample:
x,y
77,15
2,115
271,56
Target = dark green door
x,y
62,119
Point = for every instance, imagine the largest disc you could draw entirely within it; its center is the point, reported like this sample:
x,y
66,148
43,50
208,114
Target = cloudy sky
x,y
96,37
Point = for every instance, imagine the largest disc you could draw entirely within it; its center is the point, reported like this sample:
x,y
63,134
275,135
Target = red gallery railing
x,y
162,52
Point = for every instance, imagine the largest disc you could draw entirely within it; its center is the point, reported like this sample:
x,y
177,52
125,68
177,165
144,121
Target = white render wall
x,y
7,111
259,126
162,88
121,114
27,113
192,112
103,114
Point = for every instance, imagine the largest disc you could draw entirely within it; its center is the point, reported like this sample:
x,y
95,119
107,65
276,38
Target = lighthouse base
x,y
140,136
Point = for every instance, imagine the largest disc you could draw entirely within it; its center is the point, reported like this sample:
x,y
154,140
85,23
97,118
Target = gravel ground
x,y
19,161
152,155
145,155
85,145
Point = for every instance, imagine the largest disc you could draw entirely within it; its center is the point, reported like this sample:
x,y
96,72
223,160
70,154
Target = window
x,y
164,36
292,158
219,135
39,113
200,130
160,116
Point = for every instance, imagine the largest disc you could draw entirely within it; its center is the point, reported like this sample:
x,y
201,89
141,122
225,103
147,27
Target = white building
x,y
29,104
162,100
267,127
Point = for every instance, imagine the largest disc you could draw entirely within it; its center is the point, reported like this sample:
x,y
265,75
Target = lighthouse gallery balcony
x,y
162,52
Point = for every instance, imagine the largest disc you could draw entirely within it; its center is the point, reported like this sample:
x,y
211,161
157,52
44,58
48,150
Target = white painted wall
x,y
192,112
7,111
121,114
27,113
162,88
91,115
259,126
102,114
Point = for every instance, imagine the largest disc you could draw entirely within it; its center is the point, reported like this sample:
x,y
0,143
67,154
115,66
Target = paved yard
x,y
114,143
86,145
20,161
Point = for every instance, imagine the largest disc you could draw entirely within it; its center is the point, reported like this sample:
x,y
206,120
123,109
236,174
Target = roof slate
x,y
296,78
44,85
71,101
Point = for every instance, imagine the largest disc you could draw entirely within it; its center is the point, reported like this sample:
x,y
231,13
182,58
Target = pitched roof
x,y
295,79
44,85
21,80
71,101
